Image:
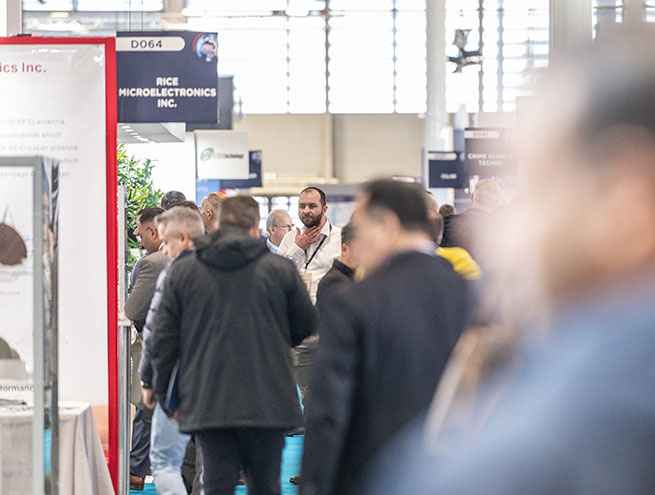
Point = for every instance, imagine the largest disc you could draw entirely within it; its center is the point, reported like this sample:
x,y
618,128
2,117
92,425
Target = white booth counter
x,y
83,467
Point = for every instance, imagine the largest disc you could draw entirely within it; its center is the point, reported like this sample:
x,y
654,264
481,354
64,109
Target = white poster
x,y
52,101
222,155
16,282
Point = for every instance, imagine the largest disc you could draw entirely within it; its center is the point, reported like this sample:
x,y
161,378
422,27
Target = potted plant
x,y
136,177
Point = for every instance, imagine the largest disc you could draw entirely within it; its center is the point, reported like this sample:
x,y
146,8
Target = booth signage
x,y
206,186
489,152
254,176
446,170
167,76
222,155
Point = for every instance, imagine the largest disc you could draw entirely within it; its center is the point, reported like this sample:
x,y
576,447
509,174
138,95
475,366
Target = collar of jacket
x,y
345,269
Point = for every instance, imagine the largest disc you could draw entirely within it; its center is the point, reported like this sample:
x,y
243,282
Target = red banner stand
x,y
112,222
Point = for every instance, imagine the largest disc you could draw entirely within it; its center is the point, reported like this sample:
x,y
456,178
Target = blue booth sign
x,y
167,76
205,186
446,169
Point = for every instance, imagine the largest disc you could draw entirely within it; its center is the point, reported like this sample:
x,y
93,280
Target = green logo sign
x,y
207,154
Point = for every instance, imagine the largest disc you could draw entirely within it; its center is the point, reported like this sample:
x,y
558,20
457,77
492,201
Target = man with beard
x,y
313,250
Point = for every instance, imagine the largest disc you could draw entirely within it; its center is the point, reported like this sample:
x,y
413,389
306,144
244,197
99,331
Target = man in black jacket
x,y
229,314
470,229
384,341
342,273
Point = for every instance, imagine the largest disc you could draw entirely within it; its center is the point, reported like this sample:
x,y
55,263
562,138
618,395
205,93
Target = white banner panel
x,y
16,267
222,155
53,104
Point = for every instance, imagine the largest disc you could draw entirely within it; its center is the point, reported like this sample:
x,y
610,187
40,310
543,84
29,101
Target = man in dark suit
x,y
342,273
468,229
384,341
136,309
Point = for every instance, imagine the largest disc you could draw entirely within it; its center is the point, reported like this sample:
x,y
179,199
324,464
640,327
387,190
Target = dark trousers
x,y
257,450
303,368
140,453
192,468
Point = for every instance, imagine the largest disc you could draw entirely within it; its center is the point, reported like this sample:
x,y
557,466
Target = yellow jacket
x,y
462,262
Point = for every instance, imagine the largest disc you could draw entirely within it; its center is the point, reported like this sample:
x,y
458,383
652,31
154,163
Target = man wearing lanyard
x,y
313,250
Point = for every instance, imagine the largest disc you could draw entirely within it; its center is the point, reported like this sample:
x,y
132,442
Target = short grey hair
x,y
488,194
181,219
274,216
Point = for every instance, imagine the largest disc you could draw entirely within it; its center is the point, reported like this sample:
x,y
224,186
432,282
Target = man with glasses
x,y
144,278
278,224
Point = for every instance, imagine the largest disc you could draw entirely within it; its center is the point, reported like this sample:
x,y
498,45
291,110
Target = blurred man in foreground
x,y
577,412
231,330
384,341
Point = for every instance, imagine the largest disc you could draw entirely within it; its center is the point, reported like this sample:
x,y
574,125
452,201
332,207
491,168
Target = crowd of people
x,y
504,349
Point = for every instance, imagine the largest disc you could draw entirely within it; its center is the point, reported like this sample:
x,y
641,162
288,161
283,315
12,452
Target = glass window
x,y
514,43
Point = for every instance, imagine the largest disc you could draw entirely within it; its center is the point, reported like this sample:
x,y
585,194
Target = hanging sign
x,y
446,170
222,155
489,152
206,186
167,76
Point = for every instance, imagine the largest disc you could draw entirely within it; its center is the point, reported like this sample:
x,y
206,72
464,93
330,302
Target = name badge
x,y
307,278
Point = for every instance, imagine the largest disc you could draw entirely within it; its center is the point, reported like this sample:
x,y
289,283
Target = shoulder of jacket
x,y
183,265
273,259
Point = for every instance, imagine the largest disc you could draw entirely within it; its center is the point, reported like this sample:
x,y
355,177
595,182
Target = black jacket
x,y
230,313
337,277
467,230
384,345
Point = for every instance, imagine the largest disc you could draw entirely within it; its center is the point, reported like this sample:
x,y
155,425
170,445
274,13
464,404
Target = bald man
x,y
210,209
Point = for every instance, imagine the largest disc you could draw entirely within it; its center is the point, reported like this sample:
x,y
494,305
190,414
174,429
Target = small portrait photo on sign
x,y
206,46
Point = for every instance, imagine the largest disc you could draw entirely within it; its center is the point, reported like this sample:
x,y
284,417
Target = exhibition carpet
x,y
291,456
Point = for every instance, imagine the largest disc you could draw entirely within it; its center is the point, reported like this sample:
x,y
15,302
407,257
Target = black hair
x,y
436,227
172,198
446,210
319,191
347,233
239,211
189,204
147,215
405,200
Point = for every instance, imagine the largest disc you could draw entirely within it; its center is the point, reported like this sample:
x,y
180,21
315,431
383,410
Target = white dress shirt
x,y
328,250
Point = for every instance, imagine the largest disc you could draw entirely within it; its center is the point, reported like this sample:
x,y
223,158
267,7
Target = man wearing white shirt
x,y
317,245
313,250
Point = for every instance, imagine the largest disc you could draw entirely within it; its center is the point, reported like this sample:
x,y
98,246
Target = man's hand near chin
x,y
307,238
